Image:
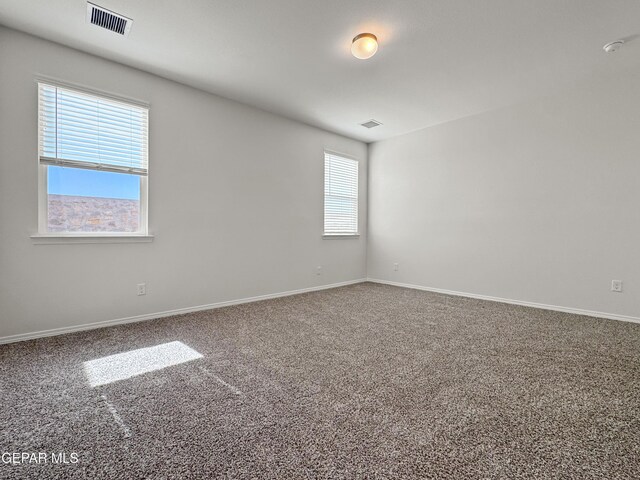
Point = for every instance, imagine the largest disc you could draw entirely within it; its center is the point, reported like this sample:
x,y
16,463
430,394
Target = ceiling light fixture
x,y
613,46
364,46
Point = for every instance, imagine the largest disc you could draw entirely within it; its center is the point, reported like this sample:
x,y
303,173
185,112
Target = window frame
x,y
44,235
332,235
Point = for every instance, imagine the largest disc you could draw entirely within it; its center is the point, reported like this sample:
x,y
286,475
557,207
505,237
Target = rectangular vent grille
x,y
371,124
104,18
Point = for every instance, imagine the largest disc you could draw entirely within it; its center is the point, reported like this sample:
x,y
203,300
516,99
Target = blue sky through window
x,y
92,183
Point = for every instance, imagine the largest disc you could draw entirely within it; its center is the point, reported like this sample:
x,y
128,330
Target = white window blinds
x,y
340,195
81,130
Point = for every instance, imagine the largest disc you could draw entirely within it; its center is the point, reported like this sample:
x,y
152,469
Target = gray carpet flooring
x,y
365,381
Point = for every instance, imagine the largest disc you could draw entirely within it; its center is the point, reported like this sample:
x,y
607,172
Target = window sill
x,y
53,239
338,236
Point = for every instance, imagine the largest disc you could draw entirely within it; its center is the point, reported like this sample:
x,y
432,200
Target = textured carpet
x,y
365,381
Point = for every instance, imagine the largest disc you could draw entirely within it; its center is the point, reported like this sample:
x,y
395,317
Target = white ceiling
x,y
438,60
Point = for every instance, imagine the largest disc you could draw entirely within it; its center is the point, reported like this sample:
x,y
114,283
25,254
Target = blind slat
x,y
81,130
92,166
340,195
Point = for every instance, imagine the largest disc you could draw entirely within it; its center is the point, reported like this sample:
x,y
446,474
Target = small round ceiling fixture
x,y
613,46
364,46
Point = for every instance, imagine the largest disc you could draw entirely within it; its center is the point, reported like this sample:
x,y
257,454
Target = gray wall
x,y
235,202
539,202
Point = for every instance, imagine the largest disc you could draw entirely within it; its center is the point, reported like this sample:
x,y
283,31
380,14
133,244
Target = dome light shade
x,y
613,46
364,46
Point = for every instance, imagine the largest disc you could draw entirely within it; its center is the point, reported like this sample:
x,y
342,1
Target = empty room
x,y
295,239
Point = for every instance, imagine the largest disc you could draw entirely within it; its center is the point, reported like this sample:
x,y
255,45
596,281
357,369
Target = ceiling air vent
x,y
371,124
107,19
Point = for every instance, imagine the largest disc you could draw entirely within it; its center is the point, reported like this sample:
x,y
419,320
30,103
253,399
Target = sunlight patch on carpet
x,y
121,366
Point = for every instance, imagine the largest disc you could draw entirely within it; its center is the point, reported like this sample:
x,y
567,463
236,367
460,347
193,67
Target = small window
x,y
340,195
93,154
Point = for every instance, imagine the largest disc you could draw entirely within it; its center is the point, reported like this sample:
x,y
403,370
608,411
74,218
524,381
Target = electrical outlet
x,y
142,289
319,270
396,267
616,286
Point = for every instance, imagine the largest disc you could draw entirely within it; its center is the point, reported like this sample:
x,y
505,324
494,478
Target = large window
x,y
93,154
340,195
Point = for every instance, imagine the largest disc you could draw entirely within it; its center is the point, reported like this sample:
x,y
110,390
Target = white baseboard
x,y
577,311
150,316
